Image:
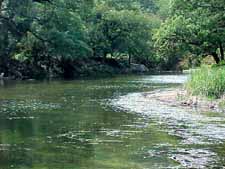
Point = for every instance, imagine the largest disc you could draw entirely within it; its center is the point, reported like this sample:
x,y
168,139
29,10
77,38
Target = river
x,y
104,124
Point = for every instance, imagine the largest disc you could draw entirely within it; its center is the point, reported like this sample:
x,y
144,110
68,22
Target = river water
x,y
104,124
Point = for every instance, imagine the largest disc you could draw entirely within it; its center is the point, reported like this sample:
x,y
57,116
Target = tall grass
x,y
207,81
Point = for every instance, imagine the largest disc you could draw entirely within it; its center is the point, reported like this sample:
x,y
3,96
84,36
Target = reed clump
x,y
207,81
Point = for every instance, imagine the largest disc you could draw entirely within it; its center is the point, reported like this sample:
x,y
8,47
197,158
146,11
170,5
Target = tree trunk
x,y
129,56
1,1
221,51
216,57
129,59
104,56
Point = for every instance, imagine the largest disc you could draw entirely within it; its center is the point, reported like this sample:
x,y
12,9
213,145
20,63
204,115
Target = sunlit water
x,y
104,124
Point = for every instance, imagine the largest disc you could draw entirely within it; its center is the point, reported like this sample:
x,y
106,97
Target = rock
x,y
184,103
195,101
212,106
138,68
2,75
18,75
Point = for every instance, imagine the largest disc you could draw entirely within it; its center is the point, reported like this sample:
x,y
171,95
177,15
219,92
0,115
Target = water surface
x,y
89,124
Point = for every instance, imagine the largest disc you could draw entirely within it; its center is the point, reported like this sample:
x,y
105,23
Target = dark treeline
x,y
41,38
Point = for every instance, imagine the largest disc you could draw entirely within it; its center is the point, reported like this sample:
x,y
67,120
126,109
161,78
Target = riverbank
x,y
195,122
85,67
178,97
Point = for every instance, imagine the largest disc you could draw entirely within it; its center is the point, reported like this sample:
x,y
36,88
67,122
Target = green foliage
x,y
222,63
55,35
149,6
162,7
195,27
169,50
44,33
124,32
51,35
207,81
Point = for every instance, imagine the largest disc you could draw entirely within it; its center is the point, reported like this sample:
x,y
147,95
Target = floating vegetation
x,y
79,137
27,104
12,147
23,109
20,118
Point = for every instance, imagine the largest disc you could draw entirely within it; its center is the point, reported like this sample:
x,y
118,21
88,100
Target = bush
x,y
207,81
222,63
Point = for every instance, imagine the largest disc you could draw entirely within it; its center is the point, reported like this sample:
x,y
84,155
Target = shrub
x,y
207,81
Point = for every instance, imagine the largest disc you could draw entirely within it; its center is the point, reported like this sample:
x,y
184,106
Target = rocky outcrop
x,y
138,68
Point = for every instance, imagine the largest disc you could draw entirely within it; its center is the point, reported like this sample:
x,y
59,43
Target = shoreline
x,y
90,76
178,97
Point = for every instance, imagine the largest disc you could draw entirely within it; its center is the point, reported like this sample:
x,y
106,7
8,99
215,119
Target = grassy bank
x,y
207,81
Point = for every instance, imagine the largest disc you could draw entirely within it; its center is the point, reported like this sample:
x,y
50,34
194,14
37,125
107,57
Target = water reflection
x,y
69,125
2,82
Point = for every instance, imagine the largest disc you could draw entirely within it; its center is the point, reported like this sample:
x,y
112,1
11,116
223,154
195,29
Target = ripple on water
x,y
193,127
194,158
164,79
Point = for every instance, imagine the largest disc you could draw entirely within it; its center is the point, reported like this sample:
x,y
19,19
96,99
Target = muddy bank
x,y
178,97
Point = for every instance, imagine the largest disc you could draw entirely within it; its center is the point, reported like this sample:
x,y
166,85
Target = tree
x,y
55,30
14,24
47,35
196,27
124,32
64,37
